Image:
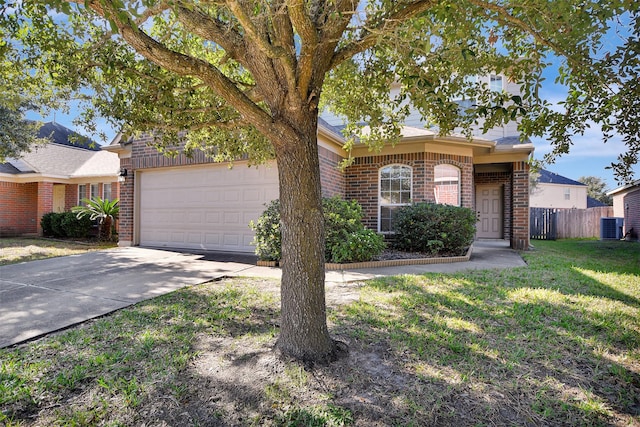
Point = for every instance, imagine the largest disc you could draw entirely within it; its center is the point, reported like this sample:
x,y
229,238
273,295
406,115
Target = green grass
x,y
16,250
562,334
553,343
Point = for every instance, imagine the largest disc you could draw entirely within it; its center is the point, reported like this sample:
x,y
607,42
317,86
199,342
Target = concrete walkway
x,y
40,297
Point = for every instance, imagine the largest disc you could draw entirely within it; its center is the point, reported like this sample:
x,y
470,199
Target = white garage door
x,y
204,207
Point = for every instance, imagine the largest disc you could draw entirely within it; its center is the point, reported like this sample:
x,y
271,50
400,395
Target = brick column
x,y
126,193
45,202
520,206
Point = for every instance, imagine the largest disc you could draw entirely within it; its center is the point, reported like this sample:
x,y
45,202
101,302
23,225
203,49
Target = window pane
x,y
495,83
82,193
385,198
395,189
106,191
447,185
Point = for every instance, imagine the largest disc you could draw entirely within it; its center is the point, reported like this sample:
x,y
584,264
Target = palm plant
x,y
103,210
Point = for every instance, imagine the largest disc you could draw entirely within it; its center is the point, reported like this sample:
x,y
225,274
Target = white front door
x,y
489,207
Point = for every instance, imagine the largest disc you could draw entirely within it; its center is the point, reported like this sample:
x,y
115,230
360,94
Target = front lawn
x,y
554,343
15,250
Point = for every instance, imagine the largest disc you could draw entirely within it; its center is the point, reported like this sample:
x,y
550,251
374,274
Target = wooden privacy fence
x,y
573,223
542,223
551,224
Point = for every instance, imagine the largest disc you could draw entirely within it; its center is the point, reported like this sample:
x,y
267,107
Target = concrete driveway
x,y
40,297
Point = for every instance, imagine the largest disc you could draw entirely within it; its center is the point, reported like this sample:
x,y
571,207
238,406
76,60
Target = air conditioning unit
x,y
611,228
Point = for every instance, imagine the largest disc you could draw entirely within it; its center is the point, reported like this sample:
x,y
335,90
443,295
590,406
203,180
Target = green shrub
x,y
45,223
268,239
76,227
65,224
343,229
434,229
57,230
361,245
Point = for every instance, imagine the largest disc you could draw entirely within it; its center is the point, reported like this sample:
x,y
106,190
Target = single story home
x,y
53,178
556,191
626,204
194,203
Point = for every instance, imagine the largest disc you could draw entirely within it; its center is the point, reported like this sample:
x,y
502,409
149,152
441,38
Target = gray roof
x,y
62,135
594,203
8,168
547,177
512,140
65,160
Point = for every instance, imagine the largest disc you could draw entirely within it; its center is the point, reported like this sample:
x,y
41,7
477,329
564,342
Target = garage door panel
x,y
203,207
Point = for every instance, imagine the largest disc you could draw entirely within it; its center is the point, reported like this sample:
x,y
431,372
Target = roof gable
x,y
62,158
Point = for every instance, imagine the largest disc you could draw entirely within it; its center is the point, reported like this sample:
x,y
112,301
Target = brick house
x,y
626,204
193,203
53,178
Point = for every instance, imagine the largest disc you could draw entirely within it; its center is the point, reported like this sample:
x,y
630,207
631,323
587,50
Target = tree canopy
x,y
248,77
596,189
208,67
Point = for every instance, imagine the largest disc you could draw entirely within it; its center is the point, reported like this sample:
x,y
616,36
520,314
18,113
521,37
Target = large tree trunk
x,y
303,326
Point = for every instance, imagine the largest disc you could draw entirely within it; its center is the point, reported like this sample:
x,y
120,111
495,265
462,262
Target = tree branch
x,y
384,24
187,66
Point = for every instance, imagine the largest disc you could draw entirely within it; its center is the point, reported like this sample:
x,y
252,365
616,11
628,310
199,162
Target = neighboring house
x,y
556,191
53,178
595,203
193,203
626,204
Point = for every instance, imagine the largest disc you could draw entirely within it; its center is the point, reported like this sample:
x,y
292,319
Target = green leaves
x,y
97,209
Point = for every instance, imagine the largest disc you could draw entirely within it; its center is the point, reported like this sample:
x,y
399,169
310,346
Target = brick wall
x,y
70,196
19,208
44,201
332,178
362,179
632,213
520,207
125,193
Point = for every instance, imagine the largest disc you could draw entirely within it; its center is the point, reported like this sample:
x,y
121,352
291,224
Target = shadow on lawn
x,y
506,353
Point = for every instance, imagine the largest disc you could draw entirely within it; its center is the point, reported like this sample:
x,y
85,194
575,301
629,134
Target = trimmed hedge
x,y
346,238
434,229
65,224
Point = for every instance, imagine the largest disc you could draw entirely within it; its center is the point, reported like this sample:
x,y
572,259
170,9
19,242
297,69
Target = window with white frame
x,y
395,191
495,83
106,191
446,185
94,191
567,194
82,193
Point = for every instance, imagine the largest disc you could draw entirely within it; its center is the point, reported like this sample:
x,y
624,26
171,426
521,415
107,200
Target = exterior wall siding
x,y
520,206
126,196
362,179
332,178
631,205
44,202
19,214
